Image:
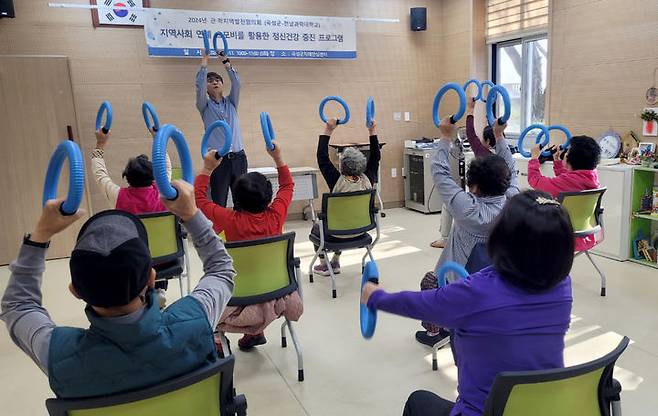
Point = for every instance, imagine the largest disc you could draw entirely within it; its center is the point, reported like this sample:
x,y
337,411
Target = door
x,y
36,106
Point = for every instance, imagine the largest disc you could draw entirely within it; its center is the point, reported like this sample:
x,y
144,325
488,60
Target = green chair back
x,y
579,390
205,392
265,269
584,210
349,213
164,236
176,173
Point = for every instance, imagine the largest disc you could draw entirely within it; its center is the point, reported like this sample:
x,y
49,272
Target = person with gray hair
x,y
354,173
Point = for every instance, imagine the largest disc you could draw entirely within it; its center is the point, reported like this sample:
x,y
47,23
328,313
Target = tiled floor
x,y
346,375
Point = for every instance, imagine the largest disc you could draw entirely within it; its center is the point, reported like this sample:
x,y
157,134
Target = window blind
x,y
510,19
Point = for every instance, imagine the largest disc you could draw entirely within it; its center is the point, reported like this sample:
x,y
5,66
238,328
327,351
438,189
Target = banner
x,y
179,33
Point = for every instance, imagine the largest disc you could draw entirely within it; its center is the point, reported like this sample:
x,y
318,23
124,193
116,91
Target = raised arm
x,y
284,195
471,136
202,84
216,286
109,189
540,182
328,170
216,213
502,150
234,95
372,169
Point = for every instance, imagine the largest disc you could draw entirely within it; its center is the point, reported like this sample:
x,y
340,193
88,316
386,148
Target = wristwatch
x,y
28,242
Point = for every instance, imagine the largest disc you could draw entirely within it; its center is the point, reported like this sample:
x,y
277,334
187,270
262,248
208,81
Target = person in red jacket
x,y
577,174
255,215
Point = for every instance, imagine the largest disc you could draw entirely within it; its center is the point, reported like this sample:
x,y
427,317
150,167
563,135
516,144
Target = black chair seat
x,y
334,243
169,270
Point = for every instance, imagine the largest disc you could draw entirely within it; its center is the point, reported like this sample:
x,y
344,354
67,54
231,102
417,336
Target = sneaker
x,y
321,269
248,342
430,340
438,244
335,267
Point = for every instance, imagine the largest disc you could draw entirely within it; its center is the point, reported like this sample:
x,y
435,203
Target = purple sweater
x,y
498,328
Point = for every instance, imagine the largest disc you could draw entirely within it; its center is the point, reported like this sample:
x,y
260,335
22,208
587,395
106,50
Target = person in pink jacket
x,y
577,174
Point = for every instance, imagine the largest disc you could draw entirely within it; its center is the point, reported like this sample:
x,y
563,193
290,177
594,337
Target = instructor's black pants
x,y
426,403
233,165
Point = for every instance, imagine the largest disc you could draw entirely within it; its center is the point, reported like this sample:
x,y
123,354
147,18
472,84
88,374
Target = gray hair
x,y
352,162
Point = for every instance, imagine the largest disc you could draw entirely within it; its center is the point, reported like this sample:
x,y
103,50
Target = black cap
x,y
111,261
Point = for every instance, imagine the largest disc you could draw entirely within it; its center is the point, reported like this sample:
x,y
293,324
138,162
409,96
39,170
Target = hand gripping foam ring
x,y
148,109
206,41
224,41
340,101
268,131
491,100
228,138
450,266
71,150
477,84
159,157
489,84
370,111
439,96
543,135
367,316
106,108
564,130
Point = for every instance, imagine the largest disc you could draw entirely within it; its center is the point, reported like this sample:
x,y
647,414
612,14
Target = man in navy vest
x,y
131,343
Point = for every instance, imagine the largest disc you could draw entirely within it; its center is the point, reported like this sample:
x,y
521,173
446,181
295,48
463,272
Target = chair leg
x,y
188,274
310,268
284,343
331,274
616,408
180,285
435,349
298,349
589,256
225,348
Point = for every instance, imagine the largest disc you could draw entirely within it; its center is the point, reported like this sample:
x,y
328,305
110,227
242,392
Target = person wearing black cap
x,y
131,343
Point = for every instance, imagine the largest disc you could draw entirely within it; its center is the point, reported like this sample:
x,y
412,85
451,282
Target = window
x,y
521,67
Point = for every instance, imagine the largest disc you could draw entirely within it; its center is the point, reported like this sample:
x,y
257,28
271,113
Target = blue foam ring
x,y
477,84
206,41
544,134
66,149
491,100
224,41
268,131
228,138
339,101
450,266
564,130
370,111
147,108
159,157
368,316
490,84
437,101
106,108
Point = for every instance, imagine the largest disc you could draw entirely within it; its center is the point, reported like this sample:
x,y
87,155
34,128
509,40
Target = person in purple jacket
x,y
511,316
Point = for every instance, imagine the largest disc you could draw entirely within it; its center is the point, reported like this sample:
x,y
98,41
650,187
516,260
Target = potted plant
x,y
650,118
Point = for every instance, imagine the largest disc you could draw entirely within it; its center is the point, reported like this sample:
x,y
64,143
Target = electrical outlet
x,y
394,172
397,116
407,116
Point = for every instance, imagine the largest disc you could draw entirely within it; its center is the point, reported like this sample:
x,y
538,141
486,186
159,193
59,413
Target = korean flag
x,y
121,12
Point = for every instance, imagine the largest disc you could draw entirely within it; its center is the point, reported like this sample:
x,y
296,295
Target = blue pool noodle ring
x,y
340,101
224,41
147,108
368,316
439,96
106,108
564,130
450,266
66,149
491,100
228,138
268,130
206,41
490,85
544,134
370,111
477,84
159,157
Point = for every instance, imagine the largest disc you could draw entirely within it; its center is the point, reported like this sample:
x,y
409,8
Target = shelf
x,y
646,217
646,169
645,263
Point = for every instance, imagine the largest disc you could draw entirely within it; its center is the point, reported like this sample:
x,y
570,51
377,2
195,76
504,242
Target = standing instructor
x,y
213,106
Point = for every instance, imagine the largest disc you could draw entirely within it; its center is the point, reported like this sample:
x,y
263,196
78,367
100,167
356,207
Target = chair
x,y
167,243
176,173
204,392
266,269
345,214
584,390
586,215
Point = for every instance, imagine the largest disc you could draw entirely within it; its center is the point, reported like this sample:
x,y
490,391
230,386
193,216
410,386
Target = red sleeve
x,y
539,182
283,197
558,168
473,139
215,213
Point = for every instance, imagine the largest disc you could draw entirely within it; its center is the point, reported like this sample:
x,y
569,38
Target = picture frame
x,y
117,18
646,147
